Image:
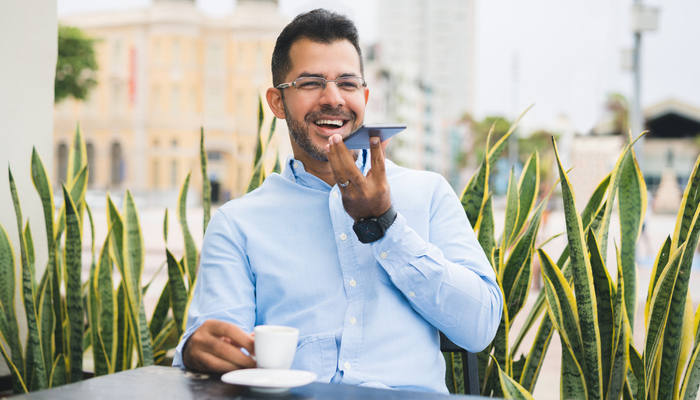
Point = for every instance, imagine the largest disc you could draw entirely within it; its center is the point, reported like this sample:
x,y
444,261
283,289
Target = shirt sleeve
x,y
447,279
222,262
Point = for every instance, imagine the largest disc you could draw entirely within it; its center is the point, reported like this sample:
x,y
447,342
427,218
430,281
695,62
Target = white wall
x,y
28,50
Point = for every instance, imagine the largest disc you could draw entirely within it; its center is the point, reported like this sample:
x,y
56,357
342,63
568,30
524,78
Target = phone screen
x,y
360,138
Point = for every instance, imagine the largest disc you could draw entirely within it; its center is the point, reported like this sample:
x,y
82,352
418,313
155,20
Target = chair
x,y
470,366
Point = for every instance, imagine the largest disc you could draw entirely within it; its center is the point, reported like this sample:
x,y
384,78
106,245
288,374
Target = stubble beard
x,y
300,131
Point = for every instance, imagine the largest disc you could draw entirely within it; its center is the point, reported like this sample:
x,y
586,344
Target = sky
x,y
564,56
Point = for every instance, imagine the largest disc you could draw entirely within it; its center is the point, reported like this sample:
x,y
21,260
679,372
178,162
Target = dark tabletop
x,y
168,383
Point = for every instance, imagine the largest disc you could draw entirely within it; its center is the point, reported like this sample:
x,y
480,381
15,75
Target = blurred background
x,y
448,69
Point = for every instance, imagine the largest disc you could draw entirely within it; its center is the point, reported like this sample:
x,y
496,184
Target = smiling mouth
x,y
330,123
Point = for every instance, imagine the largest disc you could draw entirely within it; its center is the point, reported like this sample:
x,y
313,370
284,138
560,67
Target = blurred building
x,y
164,72
425,55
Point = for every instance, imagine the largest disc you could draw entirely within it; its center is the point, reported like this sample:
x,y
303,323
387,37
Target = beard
x,y
300,130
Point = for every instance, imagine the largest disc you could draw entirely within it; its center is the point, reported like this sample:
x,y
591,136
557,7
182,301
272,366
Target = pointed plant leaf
x,y
74,301
206,183
689,204
511,389
528,187
178,292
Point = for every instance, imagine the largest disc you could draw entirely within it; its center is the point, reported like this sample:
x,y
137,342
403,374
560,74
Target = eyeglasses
x,y
349,84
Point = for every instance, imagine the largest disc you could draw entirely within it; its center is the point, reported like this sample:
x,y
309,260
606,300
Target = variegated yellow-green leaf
x,y
485,233
632,201
495,151
133,265
528,187
7,301
691,380
512,209
58,371
74,301
636,373
100,311
659,264
573,384
168,330
31,257
615,177
178,292
35,377
190,259
689,205
160,313
535,357
206,183
18,385
658,312
686,344
77,157
615,380
510,388
583,281
278,167
605,295
123,349
562,306
592,207
673,332
474,193
46,319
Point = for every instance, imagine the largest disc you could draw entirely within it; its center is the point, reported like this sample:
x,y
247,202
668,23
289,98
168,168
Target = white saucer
x,y
269,380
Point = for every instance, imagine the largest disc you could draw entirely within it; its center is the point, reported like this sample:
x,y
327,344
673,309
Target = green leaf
x,y
134,258
160,313
77,158
101,310
673,333
535,357
632,201
35,377
615,379
191,257
165,227
528,187
474,194
58,371
206,184
498,147
606,318
637,371
688,208
74,302
18,385
485,232
658,312
8,281
178,292
512,209
46,319
511,389
659,264
691,380
583,281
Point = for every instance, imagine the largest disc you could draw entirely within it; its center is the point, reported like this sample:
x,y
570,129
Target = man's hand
x,y
363,196
216,347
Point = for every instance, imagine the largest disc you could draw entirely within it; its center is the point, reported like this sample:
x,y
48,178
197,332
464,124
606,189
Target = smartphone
x,y
360,138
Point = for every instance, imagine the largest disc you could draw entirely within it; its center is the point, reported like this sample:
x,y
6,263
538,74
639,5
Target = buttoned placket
x,y
350,343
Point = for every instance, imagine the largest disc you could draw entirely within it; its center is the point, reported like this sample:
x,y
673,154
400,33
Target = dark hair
x,y
320,26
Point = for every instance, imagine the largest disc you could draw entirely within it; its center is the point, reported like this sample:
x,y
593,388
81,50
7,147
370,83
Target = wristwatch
x,y
371,229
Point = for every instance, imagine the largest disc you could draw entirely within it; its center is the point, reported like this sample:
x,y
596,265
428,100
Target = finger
x,y
377,155
342,161
231,333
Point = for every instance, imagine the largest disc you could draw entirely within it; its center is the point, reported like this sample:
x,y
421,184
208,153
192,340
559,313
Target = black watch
x,y
370,229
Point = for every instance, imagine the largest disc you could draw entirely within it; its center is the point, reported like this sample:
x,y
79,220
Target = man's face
x,y
313,116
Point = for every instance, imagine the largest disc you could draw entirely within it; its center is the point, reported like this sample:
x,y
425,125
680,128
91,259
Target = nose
x,y
331,96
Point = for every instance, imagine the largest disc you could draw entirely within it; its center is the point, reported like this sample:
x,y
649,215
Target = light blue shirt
x,y
367,314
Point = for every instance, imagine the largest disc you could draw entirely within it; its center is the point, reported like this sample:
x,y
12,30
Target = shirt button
x,y
353,320
297,164
352,282
335,194
383,255
347,365
411,294
343,237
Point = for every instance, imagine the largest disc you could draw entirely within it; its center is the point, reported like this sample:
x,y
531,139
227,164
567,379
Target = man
x,y
368,308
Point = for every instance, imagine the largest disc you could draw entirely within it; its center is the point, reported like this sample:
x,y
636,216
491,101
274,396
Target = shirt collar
x,y
294,171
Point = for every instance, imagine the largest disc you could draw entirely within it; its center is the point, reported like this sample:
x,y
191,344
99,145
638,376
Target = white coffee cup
x,y
275,346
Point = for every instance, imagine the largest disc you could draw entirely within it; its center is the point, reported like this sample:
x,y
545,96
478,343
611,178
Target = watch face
x,y
368,231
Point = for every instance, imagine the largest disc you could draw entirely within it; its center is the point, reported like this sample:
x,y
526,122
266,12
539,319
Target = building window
x,y
118,97
90,150
116,164
62,162
175,106
215,54
117,55
176,55
155,177
215,100
173,174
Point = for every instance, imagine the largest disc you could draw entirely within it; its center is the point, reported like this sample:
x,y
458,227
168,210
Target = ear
x,y
366,95
274,100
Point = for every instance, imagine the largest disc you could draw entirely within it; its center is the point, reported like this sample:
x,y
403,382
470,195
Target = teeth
x,y
329,122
